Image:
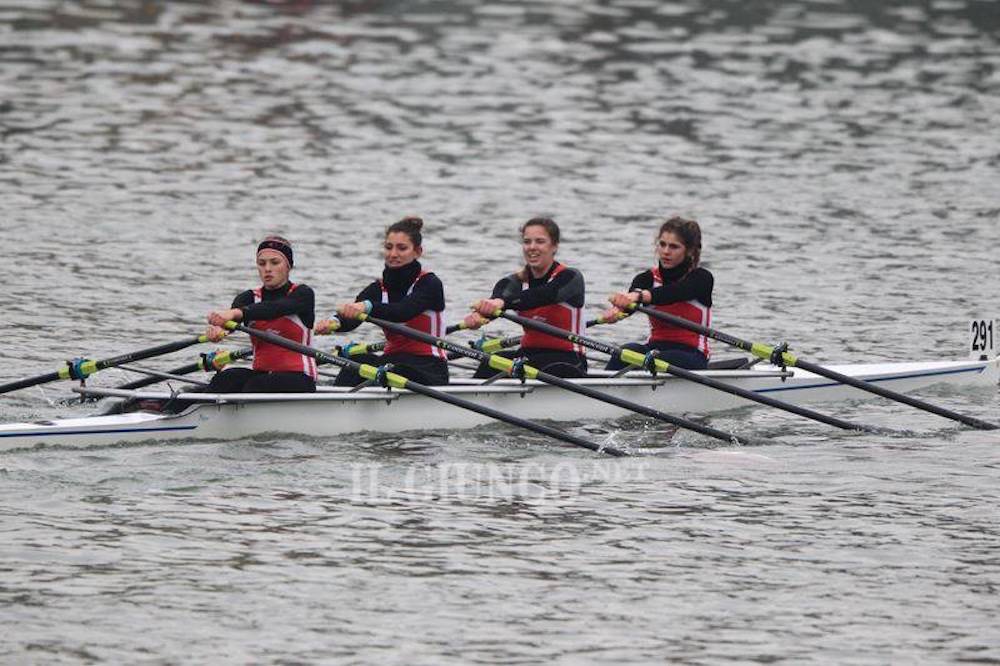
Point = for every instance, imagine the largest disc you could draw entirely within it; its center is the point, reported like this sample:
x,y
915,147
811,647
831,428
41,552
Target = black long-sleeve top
x,y
278,302
567,287
678,285
427,294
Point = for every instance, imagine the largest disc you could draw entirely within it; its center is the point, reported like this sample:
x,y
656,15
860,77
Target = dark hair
x,y
409,225
551,230
547,223
690,234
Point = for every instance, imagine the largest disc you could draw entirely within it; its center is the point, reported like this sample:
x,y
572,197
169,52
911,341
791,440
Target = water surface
x,y
841,157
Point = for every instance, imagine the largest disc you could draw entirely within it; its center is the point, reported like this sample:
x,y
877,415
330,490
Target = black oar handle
x,y
402,382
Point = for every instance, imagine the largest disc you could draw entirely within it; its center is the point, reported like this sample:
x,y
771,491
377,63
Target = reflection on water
x,y
839,155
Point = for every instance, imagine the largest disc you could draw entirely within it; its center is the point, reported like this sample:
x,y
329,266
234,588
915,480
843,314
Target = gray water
x,y
842,157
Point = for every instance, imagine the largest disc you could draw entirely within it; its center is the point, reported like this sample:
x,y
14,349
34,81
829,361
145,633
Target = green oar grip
x,y
617,318
78,369
491,346
507,365
391,378
766,352
635,358
358,348
218,360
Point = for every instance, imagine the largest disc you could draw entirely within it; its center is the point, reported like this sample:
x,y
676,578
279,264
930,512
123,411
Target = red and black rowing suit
x,y
288,311
555,298
684,293
412,296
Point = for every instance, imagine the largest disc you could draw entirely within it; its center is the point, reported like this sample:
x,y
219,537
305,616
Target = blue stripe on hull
x,y
115,431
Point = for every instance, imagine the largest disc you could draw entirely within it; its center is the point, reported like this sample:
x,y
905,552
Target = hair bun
x,y
409,225
412,222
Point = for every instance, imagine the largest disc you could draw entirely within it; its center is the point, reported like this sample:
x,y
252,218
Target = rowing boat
x,y
336,411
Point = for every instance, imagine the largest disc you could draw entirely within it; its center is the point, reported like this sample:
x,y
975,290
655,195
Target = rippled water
x,y
841,156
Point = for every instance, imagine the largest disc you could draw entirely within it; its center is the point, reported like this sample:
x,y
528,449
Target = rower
x,y
279,306
407,294
543,289
677,285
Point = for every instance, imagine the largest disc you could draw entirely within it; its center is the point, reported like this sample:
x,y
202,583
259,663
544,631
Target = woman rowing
x,y
677,285
278,306
543,289
406,294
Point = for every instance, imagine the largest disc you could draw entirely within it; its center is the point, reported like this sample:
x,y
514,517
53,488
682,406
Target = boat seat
x,y
730,363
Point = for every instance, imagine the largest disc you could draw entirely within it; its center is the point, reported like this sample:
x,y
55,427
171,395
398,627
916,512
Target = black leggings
x,y
241,380
569,365
245,380
673,353
427,370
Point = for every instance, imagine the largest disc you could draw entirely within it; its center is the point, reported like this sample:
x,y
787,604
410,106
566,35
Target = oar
x,y
781,357
83,368
635,358
393,380
358,348
494,345
491,345
207,362
526,371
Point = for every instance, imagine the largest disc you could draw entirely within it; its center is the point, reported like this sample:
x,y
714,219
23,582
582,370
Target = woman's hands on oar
x,y
481,314
622,303
344,311
217,319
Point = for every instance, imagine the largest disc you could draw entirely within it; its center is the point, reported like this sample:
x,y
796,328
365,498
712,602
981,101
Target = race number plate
x,y
983,338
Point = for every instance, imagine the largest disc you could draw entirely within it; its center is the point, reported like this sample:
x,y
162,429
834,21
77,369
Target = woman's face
x,y
399,250
539,250
670,250
273,269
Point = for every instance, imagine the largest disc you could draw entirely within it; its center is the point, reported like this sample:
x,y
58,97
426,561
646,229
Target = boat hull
x,y
332,412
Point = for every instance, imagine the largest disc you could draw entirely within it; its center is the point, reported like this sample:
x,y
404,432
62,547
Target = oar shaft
x,y
506,365
513,420
895,395
397,381
142,354
680,322
30,381
223,358
766,352
496,344
88,368
635,358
